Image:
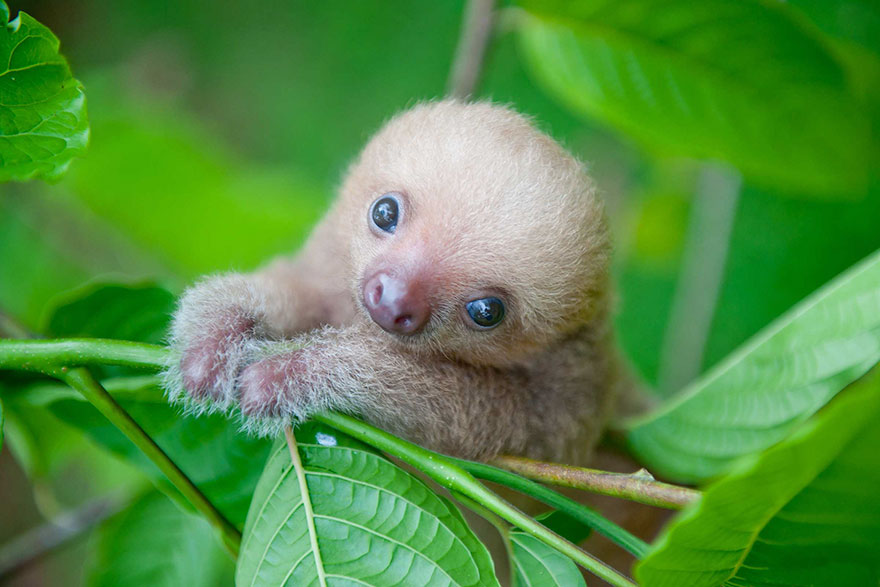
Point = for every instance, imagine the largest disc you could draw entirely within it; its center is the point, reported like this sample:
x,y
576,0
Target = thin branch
x,y
583,514
39,541
479,18
639,487
699,282
82,380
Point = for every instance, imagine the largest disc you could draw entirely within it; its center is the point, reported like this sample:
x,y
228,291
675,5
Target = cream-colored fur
x,y
491,204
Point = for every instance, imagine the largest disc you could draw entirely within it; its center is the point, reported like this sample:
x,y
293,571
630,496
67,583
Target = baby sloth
x,y
456,294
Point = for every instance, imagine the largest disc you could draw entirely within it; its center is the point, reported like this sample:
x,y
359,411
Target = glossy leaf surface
x,y
43,122
759,394
363,520
739,80
805,512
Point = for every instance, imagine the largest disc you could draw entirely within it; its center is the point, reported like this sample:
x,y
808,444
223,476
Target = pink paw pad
x,y
204,364
264,384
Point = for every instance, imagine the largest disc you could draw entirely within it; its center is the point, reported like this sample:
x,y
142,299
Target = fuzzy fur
x,y
491,205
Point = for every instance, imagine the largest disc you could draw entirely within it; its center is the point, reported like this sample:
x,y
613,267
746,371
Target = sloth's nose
x,y
395,304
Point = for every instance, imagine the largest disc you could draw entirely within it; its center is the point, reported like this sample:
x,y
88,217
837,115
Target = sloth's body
x,y
456,294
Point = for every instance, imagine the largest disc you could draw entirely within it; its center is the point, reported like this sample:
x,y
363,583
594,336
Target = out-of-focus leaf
x,y
738,80
32,269
805,512
857,21
759,394
154,543
361,520
222,461
195,205
139,312
43,122
781,250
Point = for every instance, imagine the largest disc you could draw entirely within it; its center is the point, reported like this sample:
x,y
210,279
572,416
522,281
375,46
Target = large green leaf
x,y
758,395
362,520
740,80
197,206
154,543
803,513
43,122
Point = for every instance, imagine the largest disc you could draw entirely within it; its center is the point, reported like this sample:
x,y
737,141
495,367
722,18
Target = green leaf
x,y
535,563
140,313
805,512
740,80
43,122
222,461
856,21
155,543
778,379
372,522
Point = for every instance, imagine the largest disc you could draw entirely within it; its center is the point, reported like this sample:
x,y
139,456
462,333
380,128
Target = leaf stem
x,y
84,382
63,359
38,355
639,487
296,462
450,475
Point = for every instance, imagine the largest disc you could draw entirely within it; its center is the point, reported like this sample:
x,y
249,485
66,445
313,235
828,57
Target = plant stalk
x,y
37,355
63,359
632,486
84,382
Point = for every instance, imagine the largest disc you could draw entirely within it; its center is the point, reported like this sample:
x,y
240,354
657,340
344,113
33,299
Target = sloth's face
x,y
402,299
475,237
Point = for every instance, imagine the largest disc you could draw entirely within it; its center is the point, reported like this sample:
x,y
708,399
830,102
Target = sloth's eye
x,y
486,312
385,211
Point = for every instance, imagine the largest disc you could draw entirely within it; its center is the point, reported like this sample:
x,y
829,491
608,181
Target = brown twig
x,y
479,18
639,486
35,543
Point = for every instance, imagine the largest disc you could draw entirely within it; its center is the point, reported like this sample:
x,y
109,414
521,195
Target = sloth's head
x,y
474,234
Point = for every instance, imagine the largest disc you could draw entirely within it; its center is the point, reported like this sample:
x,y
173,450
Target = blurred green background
x,y
219,133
